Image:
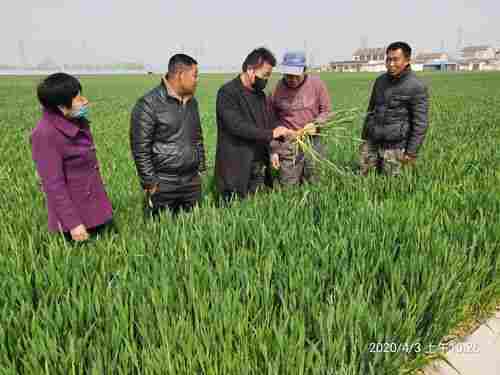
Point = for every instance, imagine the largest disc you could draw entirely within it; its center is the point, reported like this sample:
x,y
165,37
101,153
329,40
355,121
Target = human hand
x,y
275,161
409,159
79,233
281,131
363,148
151,189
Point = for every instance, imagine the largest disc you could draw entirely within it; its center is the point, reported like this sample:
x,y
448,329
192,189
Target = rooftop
x,y
473,49
369,51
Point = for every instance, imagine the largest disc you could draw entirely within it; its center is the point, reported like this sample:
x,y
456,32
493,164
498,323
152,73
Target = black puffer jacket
x,y
166,138
398,112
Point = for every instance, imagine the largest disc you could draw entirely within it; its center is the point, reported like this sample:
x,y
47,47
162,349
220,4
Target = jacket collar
x,y
283,82
62,124
243,88
239,84
169,91
404,74
245,92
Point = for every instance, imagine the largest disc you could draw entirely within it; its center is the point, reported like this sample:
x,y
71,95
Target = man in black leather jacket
x,y
397,118
166,139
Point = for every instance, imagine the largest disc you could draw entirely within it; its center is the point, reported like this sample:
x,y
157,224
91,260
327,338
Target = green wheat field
x,y
303,281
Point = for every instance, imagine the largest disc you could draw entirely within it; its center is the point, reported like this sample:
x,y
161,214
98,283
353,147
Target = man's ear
x,y
251,72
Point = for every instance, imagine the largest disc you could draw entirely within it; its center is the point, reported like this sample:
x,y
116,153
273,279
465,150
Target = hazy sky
x,y
149,31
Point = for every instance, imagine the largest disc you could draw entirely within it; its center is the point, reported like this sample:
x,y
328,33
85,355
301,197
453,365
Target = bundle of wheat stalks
x,y
331,130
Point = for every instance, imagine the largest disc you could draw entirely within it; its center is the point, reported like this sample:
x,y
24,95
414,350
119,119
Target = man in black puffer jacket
x,y
167,141
397,118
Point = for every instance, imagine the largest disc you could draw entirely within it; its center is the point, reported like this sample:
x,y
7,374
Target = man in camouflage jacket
x,y
397,118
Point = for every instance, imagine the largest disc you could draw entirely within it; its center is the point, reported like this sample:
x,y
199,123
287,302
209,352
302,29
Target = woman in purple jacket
x,y
64,154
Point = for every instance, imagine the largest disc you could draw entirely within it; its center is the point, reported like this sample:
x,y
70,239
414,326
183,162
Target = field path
x,y
478,354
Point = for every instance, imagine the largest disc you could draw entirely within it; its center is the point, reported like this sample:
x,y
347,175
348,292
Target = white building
x,y
479,65
479,58
369,54
478,53
430,57
374,66
473,58
363,60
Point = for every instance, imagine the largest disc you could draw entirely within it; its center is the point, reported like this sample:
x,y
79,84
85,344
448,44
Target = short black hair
x,y
403,46
258,57
180,62
58,89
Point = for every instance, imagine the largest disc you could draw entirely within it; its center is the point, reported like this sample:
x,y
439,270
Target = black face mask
x,y
259,84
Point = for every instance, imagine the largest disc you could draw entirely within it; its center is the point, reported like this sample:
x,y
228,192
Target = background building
x,y
478,53
479,58
471,58
363,60
369,54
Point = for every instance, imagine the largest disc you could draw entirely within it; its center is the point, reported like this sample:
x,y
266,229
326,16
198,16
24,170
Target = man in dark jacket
x,y
397,118
167,141
245,128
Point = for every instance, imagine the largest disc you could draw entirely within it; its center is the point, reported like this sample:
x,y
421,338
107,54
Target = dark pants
x,y
174,197
258,180
96,232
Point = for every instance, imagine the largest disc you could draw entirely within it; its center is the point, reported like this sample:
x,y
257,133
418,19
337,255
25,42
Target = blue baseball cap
x,y
293,63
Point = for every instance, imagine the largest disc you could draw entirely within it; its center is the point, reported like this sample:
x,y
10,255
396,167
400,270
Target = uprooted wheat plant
x,y
332,131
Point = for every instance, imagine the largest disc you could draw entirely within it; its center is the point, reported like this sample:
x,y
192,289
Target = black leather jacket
x,y
398,112
166,138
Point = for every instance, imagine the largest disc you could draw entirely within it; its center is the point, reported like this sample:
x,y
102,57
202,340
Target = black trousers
x,y
260,179
174,197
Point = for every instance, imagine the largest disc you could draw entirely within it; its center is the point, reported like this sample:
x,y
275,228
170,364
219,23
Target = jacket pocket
x,y
395,132
78,160
398,101
80,190
375,123
168,123
171,158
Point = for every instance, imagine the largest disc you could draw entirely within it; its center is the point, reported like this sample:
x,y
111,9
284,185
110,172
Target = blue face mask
x,y
83,111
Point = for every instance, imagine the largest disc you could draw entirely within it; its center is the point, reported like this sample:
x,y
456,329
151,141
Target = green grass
x,y
295,282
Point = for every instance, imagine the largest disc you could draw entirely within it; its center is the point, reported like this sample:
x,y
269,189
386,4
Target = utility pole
x,y
22,54
460,39
364,42
85,57
199,51
312,60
